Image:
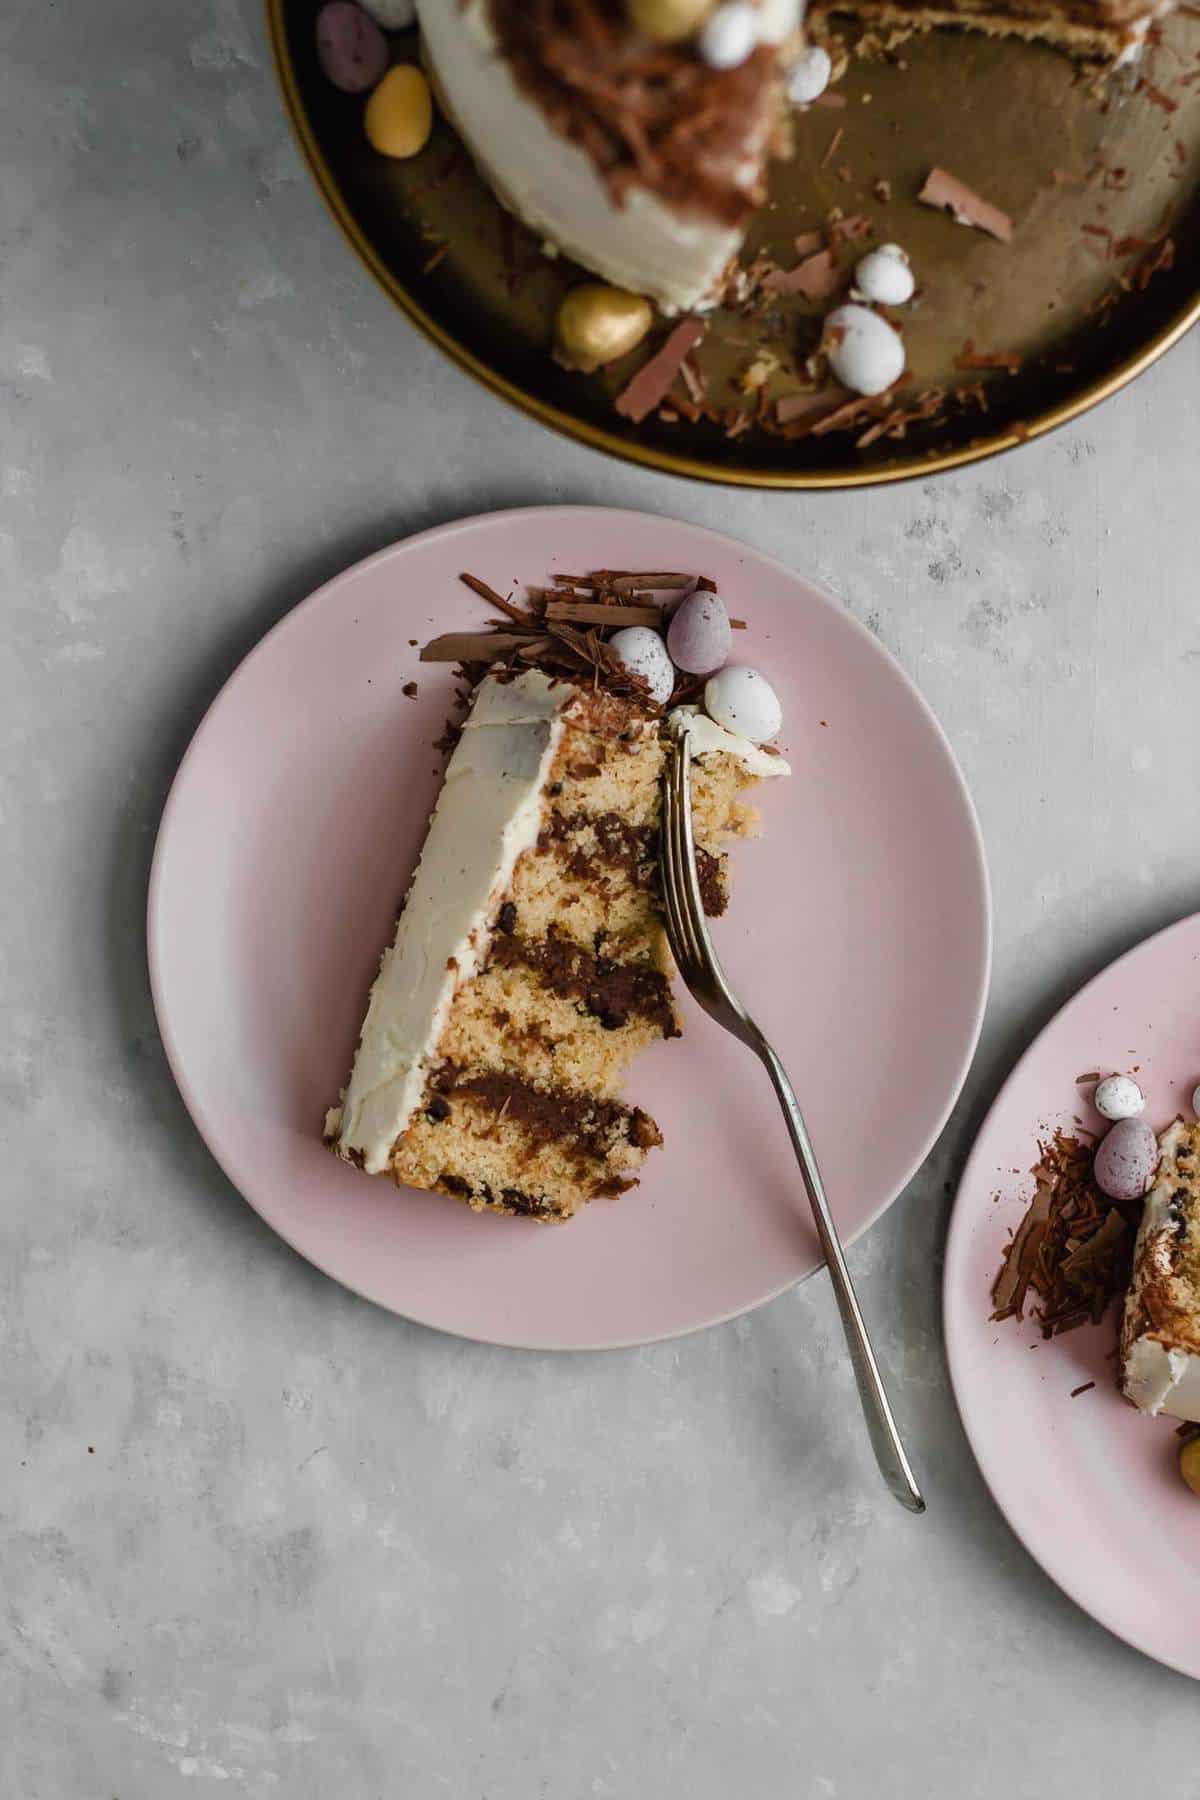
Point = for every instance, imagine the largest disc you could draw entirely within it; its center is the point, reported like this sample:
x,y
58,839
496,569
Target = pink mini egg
x,y
1126,1159
351,49
699,636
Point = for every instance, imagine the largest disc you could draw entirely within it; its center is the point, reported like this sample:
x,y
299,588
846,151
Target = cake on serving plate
x,y
636,158
1160,1337
529,964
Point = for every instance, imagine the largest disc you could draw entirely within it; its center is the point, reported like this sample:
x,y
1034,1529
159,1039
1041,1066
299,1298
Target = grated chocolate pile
x,y
1074,1247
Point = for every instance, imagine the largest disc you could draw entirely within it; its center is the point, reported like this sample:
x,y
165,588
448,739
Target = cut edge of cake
x,y
1160,1336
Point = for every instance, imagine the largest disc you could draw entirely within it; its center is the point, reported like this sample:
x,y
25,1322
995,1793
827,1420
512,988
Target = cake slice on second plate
x,y
1160,1338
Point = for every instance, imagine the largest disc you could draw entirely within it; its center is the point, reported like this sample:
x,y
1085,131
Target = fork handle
x,y
881,1424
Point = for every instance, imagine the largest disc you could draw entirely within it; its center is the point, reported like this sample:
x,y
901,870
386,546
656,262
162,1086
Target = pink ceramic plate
x,y
860,917
1091,1488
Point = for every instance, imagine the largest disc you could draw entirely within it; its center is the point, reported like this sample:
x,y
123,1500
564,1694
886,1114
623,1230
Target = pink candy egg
x,y
699,635
351,49
1126,1159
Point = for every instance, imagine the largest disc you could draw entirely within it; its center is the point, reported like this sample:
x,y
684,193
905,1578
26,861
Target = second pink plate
x,y
859,920
1092,1489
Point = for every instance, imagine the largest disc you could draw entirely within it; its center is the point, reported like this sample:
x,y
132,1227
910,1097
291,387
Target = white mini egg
x,y
885,276
1196,1101
644,653
865,352
1119,1097
730,35
744,702
393,15
809,75
699,635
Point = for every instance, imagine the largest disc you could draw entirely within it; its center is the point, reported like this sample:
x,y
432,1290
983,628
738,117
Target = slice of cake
x,y
638,159
1107,30
1160,1339
529,964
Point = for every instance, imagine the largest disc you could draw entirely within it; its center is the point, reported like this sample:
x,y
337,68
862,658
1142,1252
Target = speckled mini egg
x,y
351,49
1196,1101
885,276
730,35
644,653
699,635
809,75
865,352
1119,1097
1126,1159
393,15
744,702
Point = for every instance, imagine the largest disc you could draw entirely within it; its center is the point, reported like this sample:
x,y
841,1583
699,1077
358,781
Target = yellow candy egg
x,y
1189,1464
669,21
399,114
597,324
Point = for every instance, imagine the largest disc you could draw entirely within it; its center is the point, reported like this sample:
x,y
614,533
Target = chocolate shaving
x,y
831,147
807,242
949,194
648,115
595,612
650,385
1085,1387
489,594
971,358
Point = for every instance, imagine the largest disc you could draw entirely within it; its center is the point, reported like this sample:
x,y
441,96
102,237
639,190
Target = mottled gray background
x,y
256,1536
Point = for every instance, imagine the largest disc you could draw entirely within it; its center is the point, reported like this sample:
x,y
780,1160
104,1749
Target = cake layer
x,y
554,1013
636,160
1160,1338
507,1145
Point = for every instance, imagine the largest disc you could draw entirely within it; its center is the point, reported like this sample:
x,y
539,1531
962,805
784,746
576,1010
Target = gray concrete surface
x,y
257,1538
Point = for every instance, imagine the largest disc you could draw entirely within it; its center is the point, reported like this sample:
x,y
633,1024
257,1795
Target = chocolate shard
x,y
1012,1283
949,194
473,646
650,385
816,278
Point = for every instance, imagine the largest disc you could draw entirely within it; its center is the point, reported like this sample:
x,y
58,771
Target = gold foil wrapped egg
x,y
668,21
1189,1464
597,324
399,116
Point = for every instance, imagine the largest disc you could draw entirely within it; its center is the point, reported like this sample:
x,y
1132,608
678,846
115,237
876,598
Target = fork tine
x,y
676,920
691,904
681,854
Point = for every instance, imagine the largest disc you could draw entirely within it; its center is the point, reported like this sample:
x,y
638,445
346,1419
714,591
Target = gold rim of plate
x,y
1140,330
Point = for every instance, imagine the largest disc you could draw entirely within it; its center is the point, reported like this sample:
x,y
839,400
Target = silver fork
x,y
691,946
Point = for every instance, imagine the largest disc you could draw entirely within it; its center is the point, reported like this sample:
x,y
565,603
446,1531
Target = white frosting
x,y
1155,1376
552,184
708,738
1160,1380
488,812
